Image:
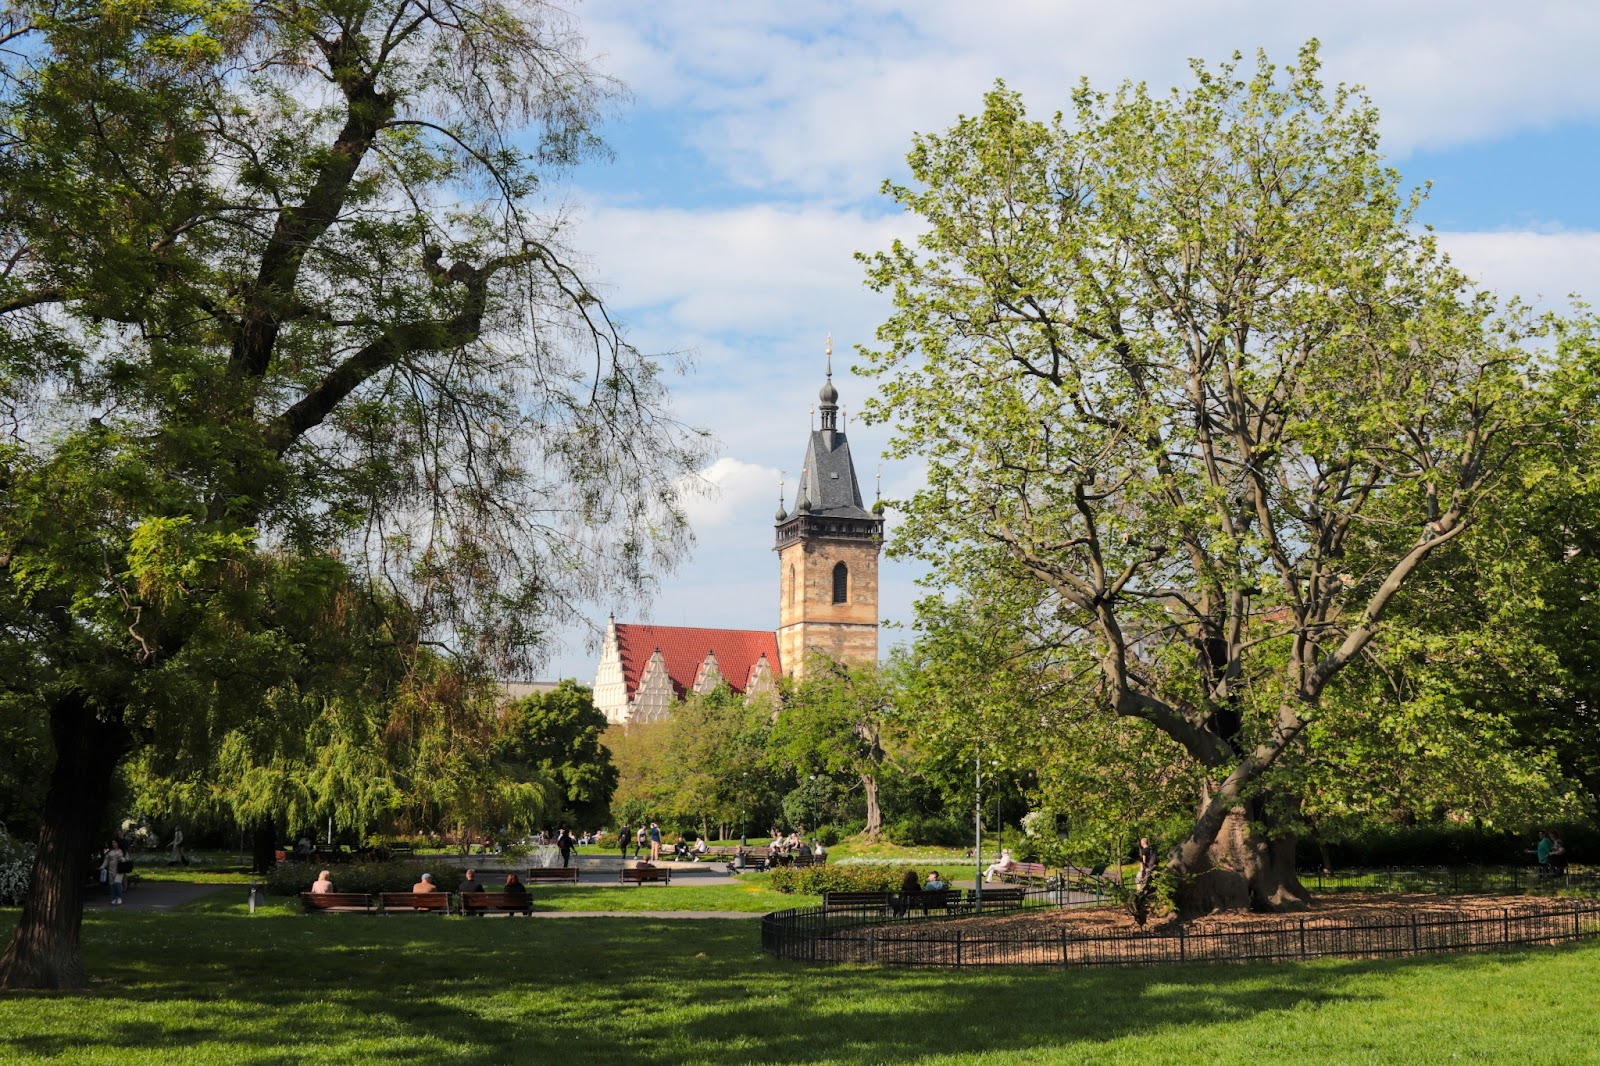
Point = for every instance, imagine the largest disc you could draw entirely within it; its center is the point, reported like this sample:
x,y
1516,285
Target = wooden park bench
x,y
553,873
999,898
948,900
641,875
858,902
482,903
1025,873
415,901
336,901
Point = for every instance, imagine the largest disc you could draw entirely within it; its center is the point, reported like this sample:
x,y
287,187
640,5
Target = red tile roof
x,y
684,649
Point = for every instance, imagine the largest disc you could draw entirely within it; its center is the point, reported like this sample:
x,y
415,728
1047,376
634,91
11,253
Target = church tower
x,y
828,553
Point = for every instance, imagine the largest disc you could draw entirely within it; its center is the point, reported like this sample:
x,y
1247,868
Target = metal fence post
x,y
958,947
1302,938
1416,947
1181,950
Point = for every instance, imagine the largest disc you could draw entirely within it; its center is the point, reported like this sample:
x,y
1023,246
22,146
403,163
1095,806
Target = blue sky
x,y
749,158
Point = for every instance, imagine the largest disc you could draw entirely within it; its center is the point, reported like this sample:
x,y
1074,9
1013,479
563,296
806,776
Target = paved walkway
x,y
160,896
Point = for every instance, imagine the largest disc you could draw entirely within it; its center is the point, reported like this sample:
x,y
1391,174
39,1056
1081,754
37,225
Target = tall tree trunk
x,y
44,949
869,785
264,846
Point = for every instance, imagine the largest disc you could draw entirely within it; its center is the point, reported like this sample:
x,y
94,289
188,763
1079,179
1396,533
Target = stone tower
x,y
828,554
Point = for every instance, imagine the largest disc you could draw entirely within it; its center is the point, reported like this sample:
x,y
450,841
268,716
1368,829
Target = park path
x,y
159,896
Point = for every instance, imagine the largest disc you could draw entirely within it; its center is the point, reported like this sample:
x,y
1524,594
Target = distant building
x,y
645,669
827,598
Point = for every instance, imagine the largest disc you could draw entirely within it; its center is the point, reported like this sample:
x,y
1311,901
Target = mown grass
x,y
752,897
210,985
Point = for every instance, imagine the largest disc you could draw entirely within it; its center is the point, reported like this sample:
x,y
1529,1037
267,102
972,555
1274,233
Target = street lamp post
x,y
977,828
813,805
744,810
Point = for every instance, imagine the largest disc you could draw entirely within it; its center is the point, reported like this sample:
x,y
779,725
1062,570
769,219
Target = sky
x,y
749,157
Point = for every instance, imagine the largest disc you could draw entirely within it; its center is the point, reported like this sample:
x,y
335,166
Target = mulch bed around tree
x,y
1369,926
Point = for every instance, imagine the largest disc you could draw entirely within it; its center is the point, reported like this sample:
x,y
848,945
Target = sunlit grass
x,y
211,985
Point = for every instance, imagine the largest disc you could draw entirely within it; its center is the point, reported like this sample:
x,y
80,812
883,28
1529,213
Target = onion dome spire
x,y
829,395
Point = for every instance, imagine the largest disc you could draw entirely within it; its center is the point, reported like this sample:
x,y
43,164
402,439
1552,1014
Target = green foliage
x,y
1198,403
706,765
293,878
838,722
836,877
307,390
557,735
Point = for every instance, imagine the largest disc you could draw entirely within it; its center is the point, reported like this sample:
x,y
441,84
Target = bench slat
x,y
415,901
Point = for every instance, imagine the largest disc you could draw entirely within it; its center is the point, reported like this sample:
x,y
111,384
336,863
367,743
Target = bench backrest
x,y
646,873
855,899
418,900
494,901
336,899
552,873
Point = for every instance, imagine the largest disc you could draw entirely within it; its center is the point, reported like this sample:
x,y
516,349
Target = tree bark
x,y
1245,866
44,950
869,786
264,846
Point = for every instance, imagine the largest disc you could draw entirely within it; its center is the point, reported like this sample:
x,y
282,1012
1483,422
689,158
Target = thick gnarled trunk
x,y
44,949
1243,866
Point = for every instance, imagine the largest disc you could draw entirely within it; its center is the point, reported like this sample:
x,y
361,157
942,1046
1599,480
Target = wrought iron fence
x,y
1453,880
813,934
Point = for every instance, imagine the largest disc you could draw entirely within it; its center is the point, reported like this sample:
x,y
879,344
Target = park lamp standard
x,y
977,829
813,791
744,809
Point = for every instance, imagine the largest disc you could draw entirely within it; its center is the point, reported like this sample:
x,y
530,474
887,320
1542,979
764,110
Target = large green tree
x,y
555,735
1165,358
280,317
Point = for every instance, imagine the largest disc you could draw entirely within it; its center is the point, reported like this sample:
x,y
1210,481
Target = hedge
x,y
815,880
293,878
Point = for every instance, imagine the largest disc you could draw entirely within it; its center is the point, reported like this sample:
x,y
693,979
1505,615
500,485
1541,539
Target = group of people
x,y
642,838
1551,852
116,863
469,883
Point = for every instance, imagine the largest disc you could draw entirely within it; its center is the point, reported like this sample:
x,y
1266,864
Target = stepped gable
x,y
684,648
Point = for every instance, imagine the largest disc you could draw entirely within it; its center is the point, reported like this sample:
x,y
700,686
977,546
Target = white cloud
x,y
824,98
1546,267
730,487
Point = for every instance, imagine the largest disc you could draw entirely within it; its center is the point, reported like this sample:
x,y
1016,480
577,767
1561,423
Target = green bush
x,y
815,880
293,878
929,829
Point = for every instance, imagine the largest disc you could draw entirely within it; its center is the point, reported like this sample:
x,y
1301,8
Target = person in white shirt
x,y
1003,865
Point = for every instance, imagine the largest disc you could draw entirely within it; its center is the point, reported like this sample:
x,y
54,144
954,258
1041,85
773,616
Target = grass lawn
x,y
211,985
753,897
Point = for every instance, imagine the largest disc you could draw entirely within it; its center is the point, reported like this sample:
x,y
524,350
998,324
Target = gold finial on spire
x,y
829,351
880,481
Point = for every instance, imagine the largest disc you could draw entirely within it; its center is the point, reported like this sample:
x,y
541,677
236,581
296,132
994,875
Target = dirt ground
x,y
1360,910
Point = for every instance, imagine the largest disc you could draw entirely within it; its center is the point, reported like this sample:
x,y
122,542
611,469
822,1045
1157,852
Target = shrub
x,y
929,829
815,880
16,868
293,878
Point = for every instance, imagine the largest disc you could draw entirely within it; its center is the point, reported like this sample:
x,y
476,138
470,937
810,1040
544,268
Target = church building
x,y
827,547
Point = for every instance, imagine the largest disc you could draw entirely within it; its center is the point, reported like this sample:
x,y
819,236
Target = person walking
x,y
564,842
655,843
115,866
176,844
624,838
1147,863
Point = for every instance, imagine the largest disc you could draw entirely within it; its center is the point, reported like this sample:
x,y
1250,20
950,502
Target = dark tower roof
x,y
828,486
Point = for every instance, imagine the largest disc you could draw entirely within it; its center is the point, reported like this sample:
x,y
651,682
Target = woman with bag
x,y
113,870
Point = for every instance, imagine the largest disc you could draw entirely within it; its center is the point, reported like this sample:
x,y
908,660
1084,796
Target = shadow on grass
x,y
279,987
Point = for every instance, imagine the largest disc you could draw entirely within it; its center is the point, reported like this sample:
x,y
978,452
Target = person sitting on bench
x,y
700,848
515,887
935,883
323,884
1005,864
470,882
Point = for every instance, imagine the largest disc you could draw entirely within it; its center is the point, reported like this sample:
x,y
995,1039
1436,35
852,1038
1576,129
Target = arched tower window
x,y
791,584
841,583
